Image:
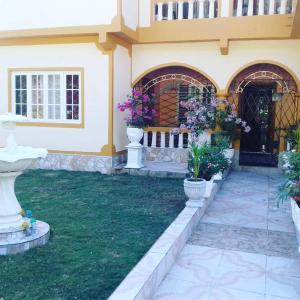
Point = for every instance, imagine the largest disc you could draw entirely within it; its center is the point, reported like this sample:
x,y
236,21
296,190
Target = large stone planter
x,y
135,135
195,191
135,149
296,219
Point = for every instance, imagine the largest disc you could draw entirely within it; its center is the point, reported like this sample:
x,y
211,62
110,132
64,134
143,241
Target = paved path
x,y
243,249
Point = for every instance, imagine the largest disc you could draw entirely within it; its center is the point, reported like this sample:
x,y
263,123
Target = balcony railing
x,y
200,9
179,10
262,7
160,137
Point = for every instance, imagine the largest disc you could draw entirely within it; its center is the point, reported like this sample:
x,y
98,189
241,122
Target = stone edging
x,y
144,279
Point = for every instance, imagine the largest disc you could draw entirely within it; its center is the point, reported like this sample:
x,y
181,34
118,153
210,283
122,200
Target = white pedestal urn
x,y
135,149
195,191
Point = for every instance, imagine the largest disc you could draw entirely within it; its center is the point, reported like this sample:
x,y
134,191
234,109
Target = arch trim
x,y
176,64
271,62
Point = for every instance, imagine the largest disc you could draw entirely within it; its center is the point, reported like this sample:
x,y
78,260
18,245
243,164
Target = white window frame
x,y
63,95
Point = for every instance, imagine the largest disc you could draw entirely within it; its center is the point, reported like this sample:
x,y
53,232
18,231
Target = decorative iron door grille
x,y
172,85
270,117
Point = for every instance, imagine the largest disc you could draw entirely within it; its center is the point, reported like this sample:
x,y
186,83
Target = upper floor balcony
x,y
148,21
166,10
223,20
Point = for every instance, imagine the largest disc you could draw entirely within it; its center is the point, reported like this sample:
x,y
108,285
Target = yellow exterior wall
x,y
94,134
206,57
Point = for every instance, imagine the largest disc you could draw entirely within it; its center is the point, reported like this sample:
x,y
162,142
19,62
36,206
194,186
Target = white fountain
x,y
18,232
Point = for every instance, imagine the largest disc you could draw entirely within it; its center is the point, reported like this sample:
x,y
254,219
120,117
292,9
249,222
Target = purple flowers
x,y
141,110
199,116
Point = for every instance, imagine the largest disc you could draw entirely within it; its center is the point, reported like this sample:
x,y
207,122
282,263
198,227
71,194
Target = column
x,y
145,143
261,7
272,7
201,9
250,8
171,141
239,10
225,8
191,10
180,10
170,10
162,140
153,142
159,11
283,7
211,9
180,143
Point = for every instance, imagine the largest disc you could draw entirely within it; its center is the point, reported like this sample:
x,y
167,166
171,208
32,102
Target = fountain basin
x,y
17,242
20,159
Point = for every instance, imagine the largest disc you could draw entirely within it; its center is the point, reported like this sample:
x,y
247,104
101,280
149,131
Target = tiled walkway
x,y
243,249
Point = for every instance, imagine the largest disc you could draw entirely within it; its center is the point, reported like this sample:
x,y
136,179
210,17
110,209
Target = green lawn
x,y
100,227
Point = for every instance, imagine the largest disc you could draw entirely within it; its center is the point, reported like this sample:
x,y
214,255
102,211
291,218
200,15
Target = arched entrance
x,y
265,95
171,85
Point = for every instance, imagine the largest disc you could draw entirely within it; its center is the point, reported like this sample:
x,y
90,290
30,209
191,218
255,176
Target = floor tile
x,y
174,289
283,277
231,294
197,264
241,271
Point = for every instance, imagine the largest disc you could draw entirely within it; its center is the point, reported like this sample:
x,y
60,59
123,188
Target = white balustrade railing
x,y
200,9
164,139
262,7
189,9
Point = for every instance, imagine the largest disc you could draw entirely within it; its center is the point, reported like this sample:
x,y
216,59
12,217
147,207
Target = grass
x,y
101,226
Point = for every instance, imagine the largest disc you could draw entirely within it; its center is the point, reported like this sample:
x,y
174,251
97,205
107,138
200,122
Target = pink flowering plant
x,y
199,117
227,118
141,110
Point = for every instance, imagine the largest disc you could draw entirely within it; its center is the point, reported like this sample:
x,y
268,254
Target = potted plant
x,y
205,163
290,189
141,114
195,187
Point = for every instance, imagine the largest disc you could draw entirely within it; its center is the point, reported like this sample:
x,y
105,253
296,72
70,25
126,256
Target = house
x,y
67,64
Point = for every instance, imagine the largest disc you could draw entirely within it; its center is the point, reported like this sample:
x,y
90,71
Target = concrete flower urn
x,y
135,149
13,160
195,191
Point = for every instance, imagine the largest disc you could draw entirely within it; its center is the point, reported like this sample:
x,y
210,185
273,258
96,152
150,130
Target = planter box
x,y
296,219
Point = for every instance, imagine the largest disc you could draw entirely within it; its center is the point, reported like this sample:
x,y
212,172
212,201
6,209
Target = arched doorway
x,y
171,85
265,95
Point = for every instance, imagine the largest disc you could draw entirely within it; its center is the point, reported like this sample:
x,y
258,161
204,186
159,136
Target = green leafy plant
x,y
196,154
221,140
290,188
206,161
293,137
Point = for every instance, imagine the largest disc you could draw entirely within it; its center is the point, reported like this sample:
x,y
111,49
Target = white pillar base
x,y
134,157
9,206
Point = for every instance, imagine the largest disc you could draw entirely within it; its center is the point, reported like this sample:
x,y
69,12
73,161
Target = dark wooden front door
x,y
258,110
